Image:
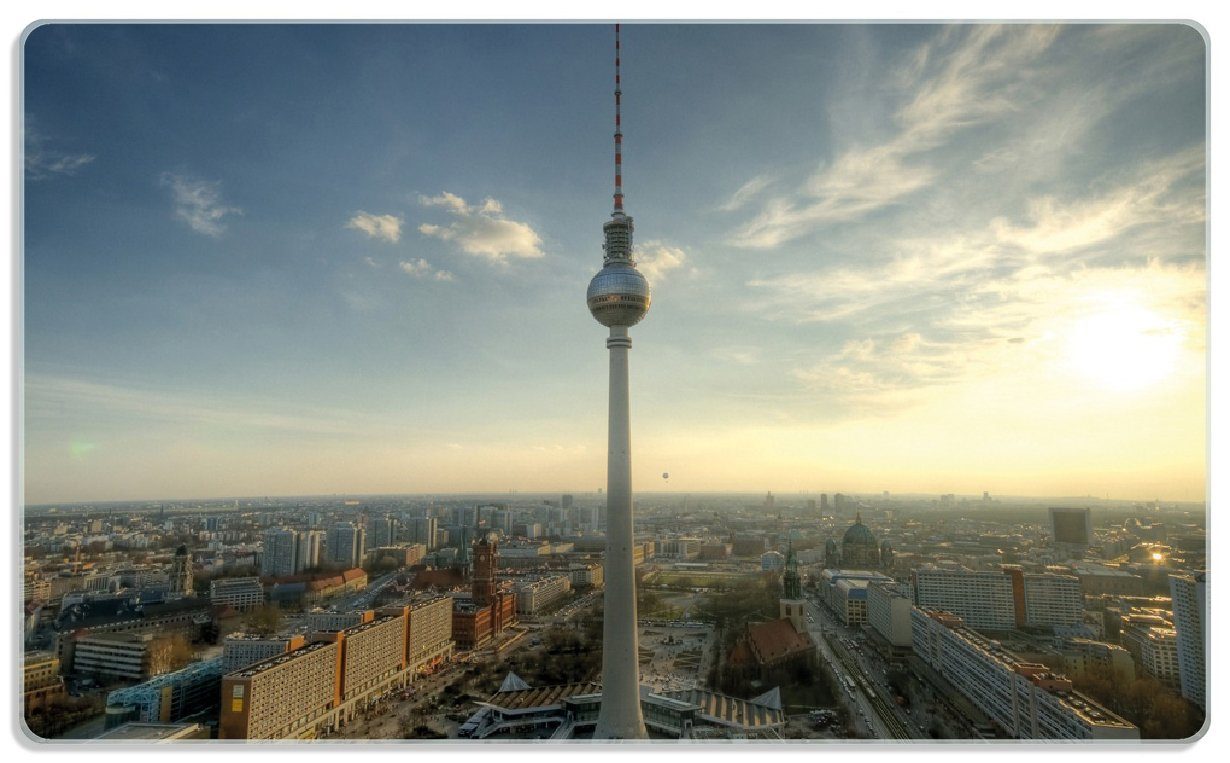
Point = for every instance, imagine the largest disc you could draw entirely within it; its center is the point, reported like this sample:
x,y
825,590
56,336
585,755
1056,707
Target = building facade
x,y
169,697
240,650
1026,700
237,593
1188,602
538,592
279,552
284,697
888,612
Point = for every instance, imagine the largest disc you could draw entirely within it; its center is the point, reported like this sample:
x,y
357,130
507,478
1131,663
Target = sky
x,y
298,259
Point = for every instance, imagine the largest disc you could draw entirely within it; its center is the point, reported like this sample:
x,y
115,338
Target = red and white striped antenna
x,y
619,136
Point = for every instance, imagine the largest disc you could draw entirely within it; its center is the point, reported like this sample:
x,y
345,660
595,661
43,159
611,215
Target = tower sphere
x,y
618,295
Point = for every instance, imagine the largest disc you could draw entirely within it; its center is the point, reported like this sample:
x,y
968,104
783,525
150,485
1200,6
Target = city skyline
x,y
948,260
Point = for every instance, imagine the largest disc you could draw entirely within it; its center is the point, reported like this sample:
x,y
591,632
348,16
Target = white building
x,y
980,599
329,620
237,593
888,611
1024,699
1052,600
1187,595
1157,649
239,650
307,555
536,593
583,575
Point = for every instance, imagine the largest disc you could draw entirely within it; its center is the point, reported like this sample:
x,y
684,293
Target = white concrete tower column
x,y
620,715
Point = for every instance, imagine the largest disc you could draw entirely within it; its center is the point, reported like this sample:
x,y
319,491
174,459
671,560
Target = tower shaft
x,y
620,715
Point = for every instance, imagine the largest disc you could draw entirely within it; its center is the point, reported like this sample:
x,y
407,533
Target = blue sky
x,y
293,259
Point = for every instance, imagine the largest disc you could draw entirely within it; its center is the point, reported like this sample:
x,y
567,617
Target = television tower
x,y
618,297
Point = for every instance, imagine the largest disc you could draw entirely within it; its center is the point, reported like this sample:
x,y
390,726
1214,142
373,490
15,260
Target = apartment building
x,y
285,697
1188,599
1026,700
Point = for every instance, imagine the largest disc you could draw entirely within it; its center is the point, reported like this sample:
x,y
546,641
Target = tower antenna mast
x,y
619,136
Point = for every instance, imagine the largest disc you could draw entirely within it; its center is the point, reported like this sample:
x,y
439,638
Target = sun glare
x,y
1124,347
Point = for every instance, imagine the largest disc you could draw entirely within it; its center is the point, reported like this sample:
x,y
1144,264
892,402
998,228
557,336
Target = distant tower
x,y
618,297
791,604
483,580
181,571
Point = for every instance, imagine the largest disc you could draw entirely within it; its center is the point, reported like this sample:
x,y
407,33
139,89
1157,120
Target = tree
x,y
265,620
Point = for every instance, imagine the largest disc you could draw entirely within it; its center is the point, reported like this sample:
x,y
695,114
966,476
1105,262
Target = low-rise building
x,y
1156,649
132,656
169,697
237,593
42,683
540,591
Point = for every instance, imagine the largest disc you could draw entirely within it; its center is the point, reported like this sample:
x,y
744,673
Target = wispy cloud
x,y
421,268
50,397
745,193
482,230
960,304
383,227
960,80
655,259
199,203
44,162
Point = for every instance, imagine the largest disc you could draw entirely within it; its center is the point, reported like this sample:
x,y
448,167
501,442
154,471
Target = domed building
x,y
859,548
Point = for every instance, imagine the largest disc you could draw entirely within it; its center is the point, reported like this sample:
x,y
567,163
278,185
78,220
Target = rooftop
x,y
273,662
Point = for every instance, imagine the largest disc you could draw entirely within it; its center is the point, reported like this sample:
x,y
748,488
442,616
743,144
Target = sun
x,y
1123,346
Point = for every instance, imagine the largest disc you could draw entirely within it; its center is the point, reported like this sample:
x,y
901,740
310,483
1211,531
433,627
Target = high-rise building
x,y
181,571
307,557
888,611
565,501
279,552
283,697
345,545
983,600
381,531
424,530
1188,597
1025,699
1071,527
824,503
1052,600
618,297
1001,600
429,638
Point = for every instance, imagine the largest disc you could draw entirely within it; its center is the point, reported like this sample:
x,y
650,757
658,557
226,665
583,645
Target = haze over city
x,y
290,260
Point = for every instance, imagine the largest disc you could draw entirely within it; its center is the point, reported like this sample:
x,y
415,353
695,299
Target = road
x,y
870,693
